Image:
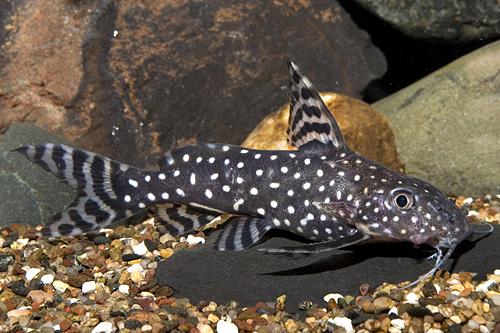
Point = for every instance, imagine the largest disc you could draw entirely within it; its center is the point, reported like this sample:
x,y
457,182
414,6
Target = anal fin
x,y
321,246
242,232
180,219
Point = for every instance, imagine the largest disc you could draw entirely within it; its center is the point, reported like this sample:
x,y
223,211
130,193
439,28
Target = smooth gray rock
x,y
461,20
447,125
203,273
28,193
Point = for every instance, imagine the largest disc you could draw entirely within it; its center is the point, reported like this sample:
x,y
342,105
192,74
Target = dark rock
x,y
429,290
250,276
19,288
29,194
455,328
77,280
100,240
150,245
130,257
361,318
133,324
36,284
445,19
207,71
419,311
456,147
5,261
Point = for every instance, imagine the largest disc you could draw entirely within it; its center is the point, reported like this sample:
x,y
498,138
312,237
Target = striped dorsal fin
x,y
310,121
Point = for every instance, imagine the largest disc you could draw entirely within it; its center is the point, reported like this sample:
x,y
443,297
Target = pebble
x,y
382,303
136,276
124,288
131,257
19,288
434,330
486,286
16,313
226,327
393,329
332,296
456,319
496,272
166,253
194,240
32,273
140,249
343,322
60,286
496,299
88,287
47,278
393,310
166,238
103,327
135,268
204,328
412,298
398,323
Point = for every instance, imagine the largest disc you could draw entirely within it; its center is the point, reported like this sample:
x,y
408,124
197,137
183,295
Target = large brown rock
x,y
366,131
130,79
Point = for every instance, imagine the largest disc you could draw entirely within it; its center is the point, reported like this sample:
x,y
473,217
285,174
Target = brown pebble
x,y
365,303
382,304
438,317
372,324
65,324
78,309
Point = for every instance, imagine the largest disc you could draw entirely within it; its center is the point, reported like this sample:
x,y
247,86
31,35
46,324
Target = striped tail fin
x,y
100,183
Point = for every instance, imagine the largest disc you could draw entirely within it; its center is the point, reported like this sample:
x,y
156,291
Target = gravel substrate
x,y
107,283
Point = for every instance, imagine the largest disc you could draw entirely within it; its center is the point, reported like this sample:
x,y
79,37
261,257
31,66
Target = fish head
x,y
409,209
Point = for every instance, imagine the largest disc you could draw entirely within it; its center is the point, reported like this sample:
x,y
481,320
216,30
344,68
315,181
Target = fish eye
x,y
403,200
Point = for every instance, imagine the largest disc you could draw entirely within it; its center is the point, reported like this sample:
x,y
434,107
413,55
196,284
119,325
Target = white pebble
x,y
88,287
343,322
226,327
47,279
398,323
140,249
434,330
412,298
135,268
193,240
103,327
394,310
124,288
438,288
336,297
496,272
60,286
32,273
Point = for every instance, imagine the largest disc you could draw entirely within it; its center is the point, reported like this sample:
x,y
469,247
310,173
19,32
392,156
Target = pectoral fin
x,y
242,232
320,247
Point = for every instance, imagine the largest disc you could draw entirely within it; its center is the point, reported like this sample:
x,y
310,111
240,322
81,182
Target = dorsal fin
x,y
310,120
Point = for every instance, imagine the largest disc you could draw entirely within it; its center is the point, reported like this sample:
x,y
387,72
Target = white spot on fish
x,y
141,205
274,185
243,151
319,172
133,183
276,222
239,180
225,148
321,188
273,157
257,156
208,193
161,176
341,173
290,209
226,161
211,160
274,204
127,198
147,178
214,176
306,186
164,195
307,161
226,188
180,192
199,159
185,158
259,172
254,191
296,175
261,211
192,179
151,197
395,218
290,193
284,169
176,173
357,178
240,165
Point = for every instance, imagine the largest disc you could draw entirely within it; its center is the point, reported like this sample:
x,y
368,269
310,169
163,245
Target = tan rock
x,y
366,131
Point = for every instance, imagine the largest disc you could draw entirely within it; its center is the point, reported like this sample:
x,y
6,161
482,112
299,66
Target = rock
x,y
365,130
208,70
226,327
5,261
447,19
103,327
29,194
250,276
19,288
343,322
457,111
31,273
398,323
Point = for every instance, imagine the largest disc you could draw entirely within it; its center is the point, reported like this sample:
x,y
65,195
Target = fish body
x,y
323,191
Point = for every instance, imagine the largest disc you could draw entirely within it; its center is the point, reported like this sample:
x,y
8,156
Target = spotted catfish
x,y
323,191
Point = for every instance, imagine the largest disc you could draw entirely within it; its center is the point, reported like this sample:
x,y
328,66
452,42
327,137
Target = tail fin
x,y
99,181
